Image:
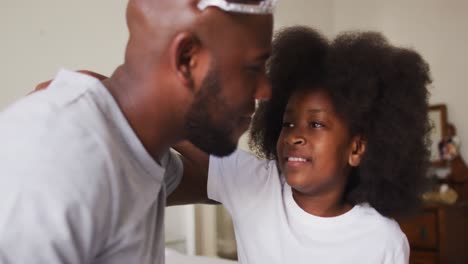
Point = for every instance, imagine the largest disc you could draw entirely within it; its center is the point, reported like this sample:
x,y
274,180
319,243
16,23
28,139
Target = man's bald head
x,y
153,24
174,47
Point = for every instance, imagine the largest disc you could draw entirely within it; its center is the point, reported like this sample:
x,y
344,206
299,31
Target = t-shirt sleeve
x,y
47,219
399,251
54,205
174,171
235,180
63,233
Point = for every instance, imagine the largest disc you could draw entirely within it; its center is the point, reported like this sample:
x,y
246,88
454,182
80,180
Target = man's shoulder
x,y
64,172
34,127
54,121
46,146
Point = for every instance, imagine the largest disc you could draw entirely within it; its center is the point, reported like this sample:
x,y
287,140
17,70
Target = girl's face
x,y
315,149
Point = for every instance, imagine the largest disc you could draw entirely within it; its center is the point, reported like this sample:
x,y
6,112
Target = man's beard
x,y
202,129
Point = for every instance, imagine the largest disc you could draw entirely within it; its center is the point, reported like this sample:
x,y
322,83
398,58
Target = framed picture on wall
x,y
438,120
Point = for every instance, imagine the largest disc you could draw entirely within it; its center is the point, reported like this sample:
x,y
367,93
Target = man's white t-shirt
x,y
271,228
76,184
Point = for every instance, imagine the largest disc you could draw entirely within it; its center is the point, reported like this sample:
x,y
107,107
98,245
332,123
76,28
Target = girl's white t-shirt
x,y
271,228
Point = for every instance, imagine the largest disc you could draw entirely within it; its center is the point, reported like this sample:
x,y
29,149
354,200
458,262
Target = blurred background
x,y
39,37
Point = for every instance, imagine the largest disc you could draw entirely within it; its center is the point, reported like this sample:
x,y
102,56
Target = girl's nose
x,y
296,140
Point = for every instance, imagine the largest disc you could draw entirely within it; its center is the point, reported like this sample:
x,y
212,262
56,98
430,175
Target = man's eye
x,y
288,125
316,124
256,69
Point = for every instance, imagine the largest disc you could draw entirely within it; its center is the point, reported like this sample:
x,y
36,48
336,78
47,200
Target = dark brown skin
x,y
171,49
313,132
167,58
193,187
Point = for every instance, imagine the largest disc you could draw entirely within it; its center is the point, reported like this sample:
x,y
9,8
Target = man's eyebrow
x,y
263,56
316,110
311,110
245,1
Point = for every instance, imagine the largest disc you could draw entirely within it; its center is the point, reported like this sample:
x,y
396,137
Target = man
x,y
84,165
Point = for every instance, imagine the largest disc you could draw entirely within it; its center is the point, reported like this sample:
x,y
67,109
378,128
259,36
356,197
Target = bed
x,y
174,257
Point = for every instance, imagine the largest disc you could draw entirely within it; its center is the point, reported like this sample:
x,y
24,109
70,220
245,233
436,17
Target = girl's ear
x,y
357,151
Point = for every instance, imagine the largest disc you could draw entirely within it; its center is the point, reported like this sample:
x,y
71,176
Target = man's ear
x,y
185,54
358,148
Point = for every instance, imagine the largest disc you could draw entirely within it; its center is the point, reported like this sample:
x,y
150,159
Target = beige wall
x,y
436,29
315,13
92,34
39,37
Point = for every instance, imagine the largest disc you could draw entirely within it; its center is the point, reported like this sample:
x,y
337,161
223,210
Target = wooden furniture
x,y
439,234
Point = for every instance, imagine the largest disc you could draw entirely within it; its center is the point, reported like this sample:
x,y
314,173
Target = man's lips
x,y
247,117
244,122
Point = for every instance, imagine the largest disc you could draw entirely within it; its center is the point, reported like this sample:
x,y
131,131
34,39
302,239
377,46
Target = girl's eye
x,y
316,124
288,125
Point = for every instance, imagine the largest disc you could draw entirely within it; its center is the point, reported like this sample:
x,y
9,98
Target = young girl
x,y
343,141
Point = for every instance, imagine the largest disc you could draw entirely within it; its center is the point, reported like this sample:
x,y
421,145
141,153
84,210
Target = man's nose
x,y
263,91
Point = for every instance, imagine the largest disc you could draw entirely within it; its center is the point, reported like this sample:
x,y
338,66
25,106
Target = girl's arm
x,y
193,186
